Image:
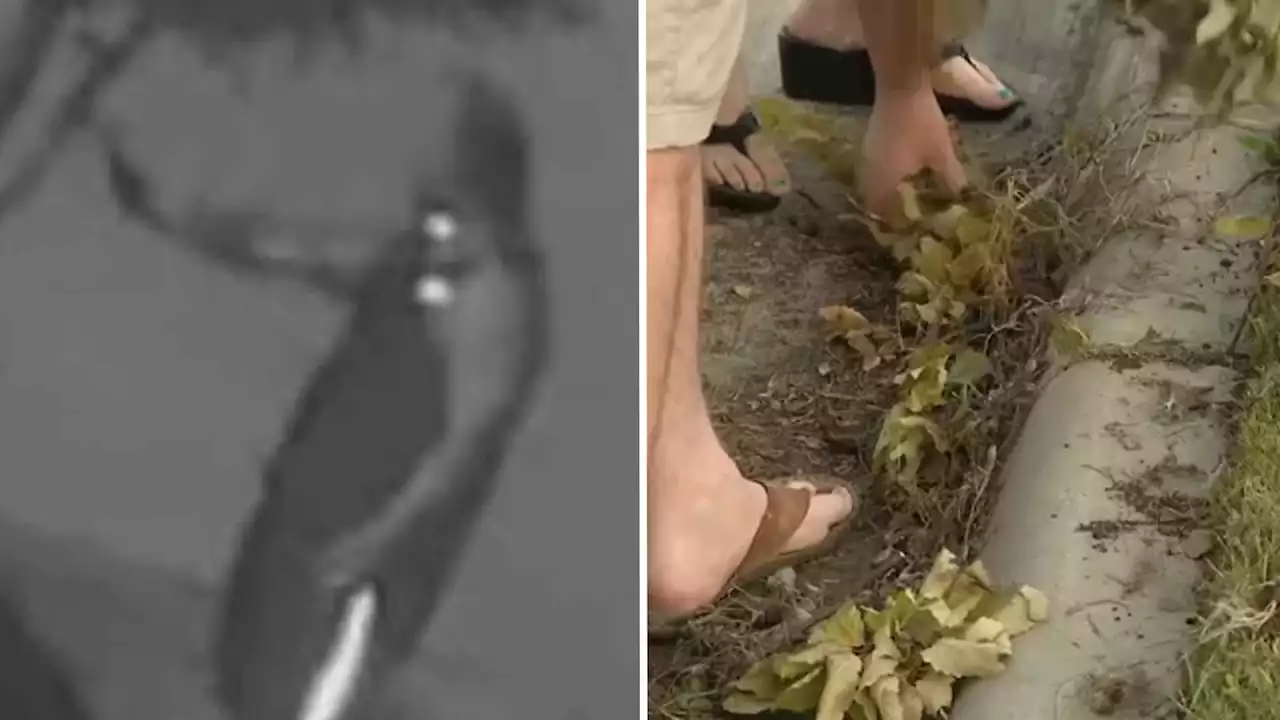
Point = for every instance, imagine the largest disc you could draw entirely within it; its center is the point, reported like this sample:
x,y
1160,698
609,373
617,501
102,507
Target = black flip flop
x,y
730,198
814,73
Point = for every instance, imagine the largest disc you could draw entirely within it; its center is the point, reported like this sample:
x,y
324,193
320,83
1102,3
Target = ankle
x,y
826,24
697,537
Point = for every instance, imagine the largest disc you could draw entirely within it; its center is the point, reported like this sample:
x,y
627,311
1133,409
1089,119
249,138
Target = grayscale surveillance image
x,y
303,408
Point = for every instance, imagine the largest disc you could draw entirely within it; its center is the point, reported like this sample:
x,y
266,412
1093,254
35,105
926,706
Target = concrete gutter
x,y
1169,302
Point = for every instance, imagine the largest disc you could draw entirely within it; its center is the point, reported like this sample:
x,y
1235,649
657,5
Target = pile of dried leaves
x,y
901,662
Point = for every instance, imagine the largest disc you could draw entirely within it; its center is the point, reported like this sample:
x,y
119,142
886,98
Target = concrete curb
x,y
1124,595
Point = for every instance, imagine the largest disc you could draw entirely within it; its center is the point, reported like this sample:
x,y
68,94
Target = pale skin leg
x,y
838,24
761,170
702,513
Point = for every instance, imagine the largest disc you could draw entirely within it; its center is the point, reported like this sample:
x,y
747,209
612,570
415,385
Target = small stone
x,y
801,616
784,578
1197,544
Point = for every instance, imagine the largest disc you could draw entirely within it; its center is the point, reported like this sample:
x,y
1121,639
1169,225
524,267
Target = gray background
x,y
140,389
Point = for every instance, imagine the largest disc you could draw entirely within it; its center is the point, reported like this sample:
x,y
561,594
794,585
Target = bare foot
x,y
699,534
760,171
972,80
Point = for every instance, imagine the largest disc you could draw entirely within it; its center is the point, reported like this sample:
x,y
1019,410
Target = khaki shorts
x,y
691,46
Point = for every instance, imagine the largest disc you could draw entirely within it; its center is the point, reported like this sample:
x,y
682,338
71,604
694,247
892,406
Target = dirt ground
x,y
786,399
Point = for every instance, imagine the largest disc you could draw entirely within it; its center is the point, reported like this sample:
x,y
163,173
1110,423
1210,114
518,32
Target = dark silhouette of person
x,y
397,440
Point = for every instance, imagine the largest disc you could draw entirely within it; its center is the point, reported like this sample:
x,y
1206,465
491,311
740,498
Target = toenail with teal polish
x,y
1006,93
779,183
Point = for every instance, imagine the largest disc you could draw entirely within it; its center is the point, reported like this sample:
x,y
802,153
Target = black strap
x,y
735,134
953,49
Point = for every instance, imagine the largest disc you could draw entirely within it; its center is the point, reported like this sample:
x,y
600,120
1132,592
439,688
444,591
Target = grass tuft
x,y
1236,665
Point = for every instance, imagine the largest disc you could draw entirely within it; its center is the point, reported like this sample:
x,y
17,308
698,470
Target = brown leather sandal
x,y
784,513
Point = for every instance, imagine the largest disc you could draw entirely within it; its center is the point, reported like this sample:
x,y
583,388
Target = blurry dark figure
x,y
395,444
33,682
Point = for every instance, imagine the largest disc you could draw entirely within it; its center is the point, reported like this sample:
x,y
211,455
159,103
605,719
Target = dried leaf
x,y
803,694
843,674
845,628
931,356
971,265
902,606
943,225
1243,228
1021,610
972,231
964,658
1067,338
843,319
905,248
910,202
977,571
942,613
969,368
984,629
915,286
912,703
744,704
886,692
933,259
936,691
927,377
1216,22
900,448
804,661
864,708
941,576
883,236
1037,604
965,595
924,627
883,660
801,135
871,357
760,680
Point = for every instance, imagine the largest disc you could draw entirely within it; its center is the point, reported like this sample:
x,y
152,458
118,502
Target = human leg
x,y
704,516
742,169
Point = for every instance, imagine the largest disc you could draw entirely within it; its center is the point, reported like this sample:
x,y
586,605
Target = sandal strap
x,y
785,510
953,49
736,134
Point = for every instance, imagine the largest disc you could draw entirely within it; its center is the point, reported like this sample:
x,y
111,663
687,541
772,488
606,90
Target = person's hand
x,y
907,133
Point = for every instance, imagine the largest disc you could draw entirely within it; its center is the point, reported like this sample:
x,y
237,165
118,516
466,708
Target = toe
x,y
959,77
768,164
712,172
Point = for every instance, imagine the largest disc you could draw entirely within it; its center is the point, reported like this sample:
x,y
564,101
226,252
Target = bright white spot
x,y
434,290
334,685
440,226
